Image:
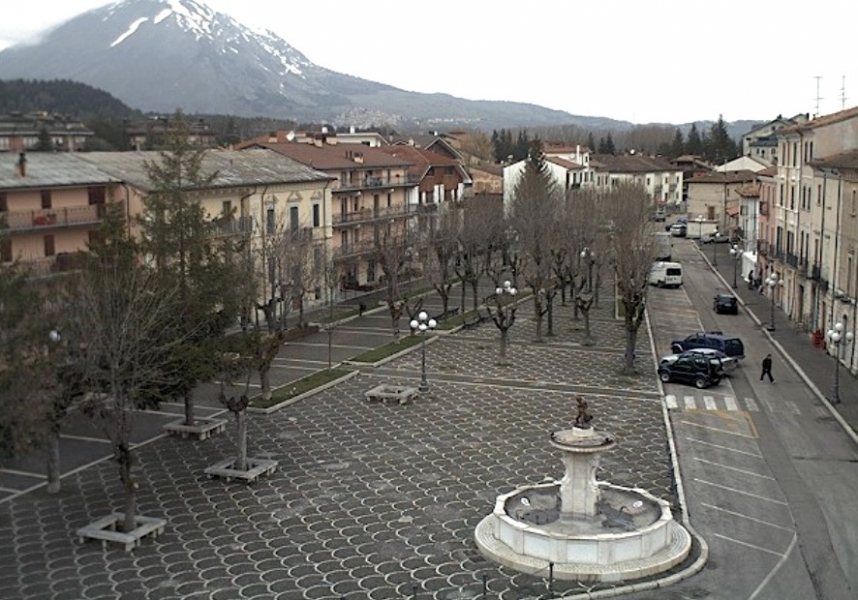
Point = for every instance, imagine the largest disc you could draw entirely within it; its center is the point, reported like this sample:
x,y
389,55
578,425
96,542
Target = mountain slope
x,y
159,55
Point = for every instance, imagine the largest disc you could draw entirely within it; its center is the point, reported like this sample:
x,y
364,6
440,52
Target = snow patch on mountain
x,y
162,15
130,31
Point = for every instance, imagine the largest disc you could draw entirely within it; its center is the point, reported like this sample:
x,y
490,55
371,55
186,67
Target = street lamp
x,y
736,254
588,257
503,312
423,324
836,335
773,282
715,249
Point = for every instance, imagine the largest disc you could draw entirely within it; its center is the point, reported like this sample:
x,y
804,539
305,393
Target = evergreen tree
x,y
522,146
609,145
677,147
45,143
176,236
591,143
722,148
603,147
694,145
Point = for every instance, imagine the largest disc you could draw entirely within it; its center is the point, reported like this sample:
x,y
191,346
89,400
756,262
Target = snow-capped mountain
x,y
159,55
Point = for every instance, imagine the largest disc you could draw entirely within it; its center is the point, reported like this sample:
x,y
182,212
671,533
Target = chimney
x,y
22,164
358,157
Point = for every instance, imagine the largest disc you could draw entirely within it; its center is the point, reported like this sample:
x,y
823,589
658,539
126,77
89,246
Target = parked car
x,y
690,368
679,230
679,221
725,364
728,344
715,238
726,303
659,215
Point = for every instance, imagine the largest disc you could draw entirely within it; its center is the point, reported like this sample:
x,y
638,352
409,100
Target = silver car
x,y
726,363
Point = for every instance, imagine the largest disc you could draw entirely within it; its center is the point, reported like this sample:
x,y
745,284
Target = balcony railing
x,y
231,227
368,215
64,262
763,247
792,260
29,220
362,183
352,250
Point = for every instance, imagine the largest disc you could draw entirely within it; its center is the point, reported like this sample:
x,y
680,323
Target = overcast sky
x,y
642,61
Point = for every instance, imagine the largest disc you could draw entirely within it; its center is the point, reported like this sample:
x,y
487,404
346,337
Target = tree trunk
x,y
503,343
124,457
265,380
588,340
474,285
631,343
53,461
189,409
550,314
241,457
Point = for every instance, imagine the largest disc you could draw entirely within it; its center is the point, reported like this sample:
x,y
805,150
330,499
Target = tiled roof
x,y
632,163
562,162
844,160
842,115
337,158
492,169
234,168
724,177
50,169
421,160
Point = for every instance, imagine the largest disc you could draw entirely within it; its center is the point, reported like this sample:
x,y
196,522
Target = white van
x,y
666,274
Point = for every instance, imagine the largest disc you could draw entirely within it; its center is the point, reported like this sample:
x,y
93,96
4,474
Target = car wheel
x,y
665,377
701,383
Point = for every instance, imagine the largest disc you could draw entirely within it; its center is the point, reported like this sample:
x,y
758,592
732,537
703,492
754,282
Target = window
x,y
317,219
4,202
818,195
46,199
226,208
854,202
5,250
294,221
269,220
50,250
97,195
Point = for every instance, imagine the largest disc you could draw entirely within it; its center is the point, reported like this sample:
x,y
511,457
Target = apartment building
x,y
21,132
51,206
373,197
662,181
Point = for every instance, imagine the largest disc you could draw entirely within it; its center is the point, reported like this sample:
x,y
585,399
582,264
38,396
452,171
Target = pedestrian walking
x,y
767,368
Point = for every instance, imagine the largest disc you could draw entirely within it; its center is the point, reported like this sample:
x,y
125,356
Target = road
x,y
770,477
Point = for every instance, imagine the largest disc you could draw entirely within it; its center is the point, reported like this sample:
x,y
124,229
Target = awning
x,y
733,211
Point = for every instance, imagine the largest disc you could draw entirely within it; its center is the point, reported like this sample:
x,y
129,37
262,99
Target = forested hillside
x,y
60,96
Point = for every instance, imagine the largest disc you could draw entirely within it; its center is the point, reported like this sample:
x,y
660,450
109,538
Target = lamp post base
x,y
770,327
423,388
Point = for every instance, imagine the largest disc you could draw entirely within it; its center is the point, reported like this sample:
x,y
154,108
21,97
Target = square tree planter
x,y
107,529
256,468
391,393
201,430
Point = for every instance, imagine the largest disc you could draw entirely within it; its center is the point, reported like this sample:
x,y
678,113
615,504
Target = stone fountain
x,y
580,528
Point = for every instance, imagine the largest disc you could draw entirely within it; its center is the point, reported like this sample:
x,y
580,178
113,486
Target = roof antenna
x,y
843,94
818,98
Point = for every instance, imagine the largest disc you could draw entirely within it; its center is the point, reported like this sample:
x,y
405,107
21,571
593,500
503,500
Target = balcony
x,y
763,247
364,183
368,215
791,260
64,262
54,218
354,250
221,228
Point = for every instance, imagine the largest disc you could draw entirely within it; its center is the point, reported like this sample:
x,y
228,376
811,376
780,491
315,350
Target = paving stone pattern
x,y
371,500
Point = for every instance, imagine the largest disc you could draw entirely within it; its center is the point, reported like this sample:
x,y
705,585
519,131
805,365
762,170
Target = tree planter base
x,y
108,529
257,467
201,430
391,393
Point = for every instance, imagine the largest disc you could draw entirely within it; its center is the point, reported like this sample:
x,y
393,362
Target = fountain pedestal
x,y
584,529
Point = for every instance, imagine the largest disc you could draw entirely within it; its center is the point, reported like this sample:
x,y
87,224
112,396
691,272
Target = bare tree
x,y
392,254
631,248
125,317
536,199
480,230
586,247
441,253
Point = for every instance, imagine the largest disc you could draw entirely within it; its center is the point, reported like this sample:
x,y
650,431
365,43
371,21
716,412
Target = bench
x,y
391,393
450,312
104,530
479,319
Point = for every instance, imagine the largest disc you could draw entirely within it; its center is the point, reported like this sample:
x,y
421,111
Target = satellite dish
x,y
290,136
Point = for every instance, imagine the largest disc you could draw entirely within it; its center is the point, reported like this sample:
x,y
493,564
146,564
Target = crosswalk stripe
x,y
670,399
709,402
690,404
792,408
730,401
752,404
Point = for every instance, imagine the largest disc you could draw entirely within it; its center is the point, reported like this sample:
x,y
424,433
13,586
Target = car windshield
x,y
734,347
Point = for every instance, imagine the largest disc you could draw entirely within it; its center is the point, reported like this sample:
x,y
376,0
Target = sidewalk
x,y
814,365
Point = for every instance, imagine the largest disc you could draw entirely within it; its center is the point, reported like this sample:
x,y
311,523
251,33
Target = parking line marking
x,y
742,492
689,423
84,438
792,407
709,402
741,543
748,517
690,404
670,399
24,473
751,404
728,449
736,469
730,401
